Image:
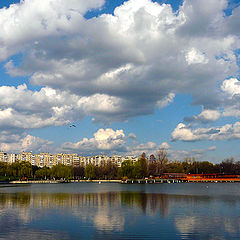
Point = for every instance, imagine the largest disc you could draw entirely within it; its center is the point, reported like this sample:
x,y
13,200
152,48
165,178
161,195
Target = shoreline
x,y
63,181
128,181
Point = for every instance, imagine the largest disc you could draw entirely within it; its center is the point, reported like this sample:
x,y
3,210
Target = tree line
x,y
25,170
140,169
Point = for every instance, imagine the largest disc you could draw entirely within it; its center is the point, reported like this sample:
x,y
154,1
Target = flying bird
x,y
72,125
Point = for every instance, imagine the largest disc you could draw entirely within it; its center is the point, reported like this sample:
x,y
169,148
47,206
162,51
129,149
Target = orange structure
x,y
217,177
210,177
173,175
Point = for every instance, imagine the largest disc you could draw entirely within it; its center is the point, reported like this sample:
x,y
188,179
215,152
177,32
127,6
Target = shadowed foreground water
x,y
119,211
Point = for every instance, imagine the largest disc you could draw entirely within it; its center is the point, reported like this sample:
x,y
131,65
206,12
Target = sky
x,y
121,77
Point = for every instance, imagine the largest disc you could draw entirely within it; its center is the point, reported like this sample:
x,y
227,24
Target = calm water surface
x,y
120,211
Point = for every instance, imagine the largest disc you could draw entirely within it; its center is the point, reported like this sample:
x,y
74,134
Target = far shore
x,y
128,181
62,181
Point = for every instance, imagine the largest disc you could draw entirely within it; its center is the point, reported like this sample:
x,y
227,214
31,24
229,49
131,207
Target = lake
x,y
120,211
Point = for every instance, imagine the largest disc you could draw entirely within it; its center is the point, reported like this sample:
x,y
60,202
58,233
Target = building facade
x,y
68,159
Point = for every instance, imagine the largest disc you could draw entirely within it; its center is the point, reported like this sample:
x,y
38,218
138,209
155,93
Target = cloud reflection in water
x,y
27,215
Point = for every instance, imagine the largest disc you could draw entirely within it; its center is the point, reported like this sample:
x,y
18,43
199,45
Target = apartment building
x,y
25,156
131,158
3,157
12,157
73,159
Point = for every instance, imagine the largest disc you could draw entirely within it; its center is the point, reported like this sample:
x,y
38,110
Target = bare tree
x,y
161,160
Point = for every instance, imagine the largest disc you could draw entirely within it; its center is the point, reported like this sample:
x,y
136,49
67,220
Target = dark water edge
x,y
120,211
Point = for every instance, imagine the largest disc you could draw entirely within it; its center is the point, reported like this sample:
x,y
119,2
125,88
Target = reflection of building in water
x,y
147,203
108,211
104,210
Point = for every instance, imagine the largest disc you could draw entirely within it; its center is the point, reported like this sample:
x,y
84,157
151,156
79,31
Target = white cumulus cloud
x,y
194,56
207,115
164,145
185,133
116,66
231,86
28,143
104,140
31,19
124,64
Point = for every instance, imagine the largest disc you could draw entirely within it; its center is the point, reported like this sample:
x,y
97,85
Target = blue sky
x,y
132,76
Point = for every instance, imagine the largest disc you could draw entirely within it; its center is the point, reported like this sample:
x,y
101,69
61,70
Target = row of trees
x,y
16,170
24,170
144,168
140,169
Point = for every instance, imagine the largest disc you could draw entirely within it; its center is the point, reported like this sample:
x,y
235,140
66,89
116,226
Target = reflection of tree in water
x,y
107,211
18,199
147,202
161,201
